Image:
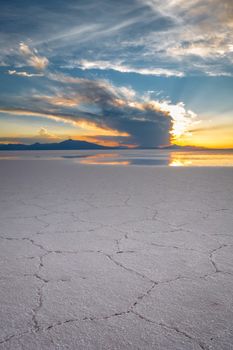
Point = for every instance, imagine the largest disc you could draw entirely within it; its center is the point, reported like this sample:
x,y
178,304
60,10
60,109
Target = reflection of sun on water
x,y
200,159
179,162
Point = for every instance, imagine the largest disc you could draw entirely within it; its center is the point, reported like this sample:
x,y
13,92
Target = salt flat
x,y
115,257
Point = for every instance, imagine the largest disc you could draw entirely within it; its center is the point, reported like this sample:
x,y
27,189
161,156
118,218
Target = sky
x,y
144,73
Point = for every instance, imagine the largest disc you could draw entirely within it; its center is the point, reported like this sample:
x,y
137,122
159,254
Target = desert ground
x,y
97,257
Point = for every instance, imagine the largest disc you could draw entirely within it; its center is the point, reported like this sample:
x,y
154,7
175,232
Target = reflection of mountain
x,y
64,145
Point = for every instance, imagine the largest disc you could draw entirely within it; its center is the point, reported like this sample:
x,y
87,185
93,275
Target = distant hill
x,y
193,148
64,145
177,148
184,148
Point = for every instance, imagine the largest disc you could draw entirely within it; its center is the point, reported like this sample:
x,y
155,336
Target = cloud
x,y
204,28
32,57
34,113
144,36
63,78
43,132
73,119
60,100
3,64
183,119
167,38
100,108
25,74
29,139
118,66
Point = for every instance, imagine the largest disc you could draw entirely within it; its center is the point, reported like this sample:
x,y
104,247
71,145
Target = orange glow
x,y
92,139
87,127
102,142
61,101
186,130
12,142
117,162
100,130
209,137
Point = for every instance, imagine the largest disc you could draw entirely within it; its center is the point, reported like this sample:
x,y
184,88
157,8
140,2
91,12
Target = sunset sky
x,y
134,72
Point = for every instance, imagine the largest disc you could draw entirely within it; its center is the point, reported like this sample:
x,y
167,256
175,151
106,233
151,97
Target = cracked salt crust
x,y
116,258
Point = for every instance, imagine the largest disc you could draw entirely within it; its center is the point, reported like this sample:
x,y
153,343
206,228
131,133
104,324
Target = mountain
x,y
84,145
64,145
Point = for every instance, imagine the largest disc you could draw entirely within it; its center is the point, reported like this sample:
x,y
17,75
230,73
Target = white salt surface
x,y
115,257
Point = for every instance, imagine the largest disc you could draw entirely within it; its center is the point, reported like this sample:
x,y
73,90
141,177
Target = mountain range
x,y
84,145
64,145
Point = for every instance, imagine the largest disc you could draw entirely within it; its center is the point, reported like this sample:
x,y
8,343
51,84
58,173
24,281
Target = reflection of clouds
x,y
104,155
104,159
171,159
106,162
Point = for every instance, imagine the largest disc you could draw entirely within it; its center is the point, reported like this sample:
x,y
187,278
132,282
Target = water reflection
x,y
104,159
204,158
129,157
160,158
122,159
3,157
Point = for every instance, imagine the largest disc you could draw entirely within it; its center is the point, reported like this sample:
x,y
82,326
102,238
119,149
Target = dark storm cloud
x,y
101,103
118,108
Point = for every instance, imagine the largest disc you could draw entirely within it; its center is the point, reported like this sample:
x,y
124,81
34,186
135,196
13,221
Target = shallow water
x,y
129,157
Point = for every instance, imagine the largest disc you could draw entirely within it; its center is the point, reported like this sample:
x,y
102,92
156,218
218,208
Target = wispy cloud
x,y
118,66
32,57
24,74
148,37
204,29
